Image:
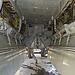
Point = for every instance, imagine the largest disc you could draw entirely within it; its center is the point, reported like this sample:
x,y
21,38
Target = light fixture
x,y
36,7
47,8
14,0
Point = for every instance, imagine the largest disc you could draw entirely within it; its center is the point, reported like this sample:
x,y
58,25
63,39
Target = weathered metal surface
x,y
43,67
63,58
11,60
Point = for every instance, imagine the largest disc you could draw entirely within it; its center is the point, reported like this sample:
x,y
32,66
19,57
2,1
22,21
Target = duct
x,y
19,26
2,27
66,31
20,39
5,29
9,39
8,33
16,40
55,40
55,25
68,37
60,38
18,32
1,2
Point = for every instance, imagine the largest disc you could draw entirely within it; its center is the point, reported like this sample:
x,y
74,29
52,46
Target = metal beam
x,y
16,8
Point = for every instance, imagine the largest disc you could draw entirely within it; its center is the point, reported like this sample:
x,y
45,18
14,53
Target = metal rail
x,y
9,49
8,53
68,49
